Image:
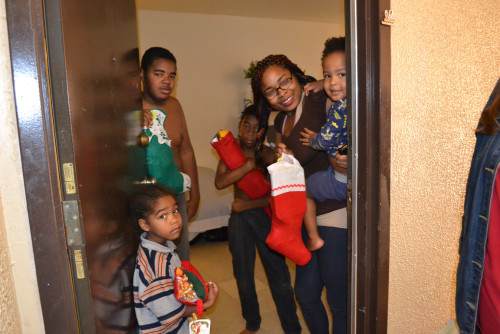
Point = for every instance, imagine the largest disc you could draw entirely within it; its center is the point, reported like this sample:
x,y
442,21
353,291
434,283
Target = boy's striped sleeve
x,y
156,308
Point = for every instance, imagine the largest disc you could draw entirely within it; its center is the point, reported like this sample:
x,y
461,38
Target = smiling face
x,y
159,80
164,221
249,131
334,76
288,98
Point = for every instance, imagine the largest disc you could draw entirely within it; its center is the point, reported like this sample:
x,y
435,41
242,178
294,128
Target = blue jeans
x,y
323,185
248,230
327,268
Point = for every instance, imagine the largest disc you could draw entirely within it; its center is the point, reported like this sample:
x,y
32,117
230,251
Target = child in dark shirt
x,y
249,226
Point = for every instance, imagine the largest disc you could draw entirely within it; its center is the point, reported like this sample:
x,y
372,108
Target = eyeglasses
x,y
271,94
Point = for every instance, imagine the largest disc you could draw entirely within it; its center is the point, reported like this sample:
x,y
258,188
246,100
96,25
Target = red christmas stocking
x,y
288,206
253,184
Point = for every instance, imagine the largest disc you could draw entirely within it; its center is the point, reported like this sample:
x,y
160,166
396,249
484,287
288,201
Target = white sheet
x,y
215,205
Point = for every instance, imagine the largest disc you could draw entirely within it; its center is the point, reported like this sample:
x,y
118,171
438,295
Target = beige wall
x,y
20,310
445,63
213,50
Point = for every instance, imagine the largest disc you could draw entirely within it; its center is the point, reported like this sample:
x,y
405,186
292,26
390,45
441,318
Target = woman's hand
x,y
307,135
314,87
341,160
281,148
339,163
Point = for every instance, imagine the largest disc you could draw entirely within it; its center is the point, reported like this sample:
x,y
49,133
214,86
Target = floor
x,y
226,316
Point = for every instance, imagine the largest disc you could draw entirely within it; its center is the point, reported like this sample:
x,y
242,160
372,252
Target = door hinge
x,y
74,235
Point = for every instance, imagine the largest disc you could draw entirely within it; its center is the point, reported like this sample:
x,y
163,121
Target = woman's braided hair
x,y
260,100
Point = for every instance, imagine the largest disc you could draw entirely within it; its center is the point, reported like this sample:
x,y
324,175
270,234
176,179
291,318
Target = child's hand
x,y
281,148
147,118
213,292
250,164
314,87
306,136
238,205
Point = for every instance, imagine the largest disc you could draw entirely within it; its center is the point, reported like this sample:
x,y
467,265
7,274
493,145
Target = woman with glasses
x,y
277,85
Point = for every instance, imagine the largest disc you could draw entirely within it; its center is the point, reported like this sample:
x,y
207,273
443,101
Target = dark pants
x,y
327,268
182,243
248,230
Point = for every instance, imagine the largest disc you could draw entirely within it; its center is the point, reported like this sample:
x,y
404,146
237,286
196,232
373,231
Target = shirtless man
x,y
158,71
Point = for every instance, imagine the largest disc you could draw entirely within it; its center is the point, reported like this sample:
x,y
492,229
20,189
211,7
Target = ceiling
x,y
330,11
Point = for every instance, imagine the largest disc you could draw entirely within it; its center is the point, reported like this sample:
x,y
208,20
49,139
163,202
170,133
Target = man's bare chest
x,y
173,132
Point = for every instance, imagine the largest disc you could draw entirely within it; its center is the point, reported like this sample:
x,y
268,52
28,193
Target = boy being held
x,y
328,184
249,226
154,209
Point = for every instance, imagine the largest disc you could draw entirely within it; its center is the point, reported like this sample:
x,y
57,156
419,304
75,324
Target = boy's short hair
x,y
250,110
333,44
154,53
142,200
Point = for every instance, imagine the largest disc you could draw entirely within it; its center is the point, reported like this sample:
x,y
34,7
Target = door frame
x,y
30,73
369,87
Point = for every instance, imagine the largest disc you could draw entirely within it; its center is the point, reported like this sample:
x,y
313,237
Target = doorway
x,y
44,173
370,127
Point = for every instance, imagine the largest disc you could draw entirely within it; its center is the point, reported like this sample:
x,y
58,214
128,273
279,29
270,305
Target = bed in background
x,y
215,205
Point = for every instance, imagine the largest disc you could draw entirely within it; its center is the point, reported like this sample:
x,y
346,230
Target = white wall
x,y
213,50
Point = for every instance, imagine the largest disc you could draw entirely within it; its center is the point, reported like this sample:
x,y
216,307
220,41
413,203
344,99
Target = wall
x,y
445,63
213,50
20,310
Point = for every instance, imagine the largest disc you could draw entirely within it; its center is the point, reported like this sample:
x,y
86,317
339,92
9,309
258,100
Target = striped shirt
x,y
156,308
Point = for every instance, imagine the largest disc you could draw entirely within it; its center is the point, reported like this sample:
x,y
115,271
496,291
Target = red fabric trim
x,y
488,319
290,186
199,307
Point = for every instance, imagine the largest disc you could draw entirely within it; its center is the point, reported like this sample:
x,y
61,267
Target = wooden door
x,y
77,88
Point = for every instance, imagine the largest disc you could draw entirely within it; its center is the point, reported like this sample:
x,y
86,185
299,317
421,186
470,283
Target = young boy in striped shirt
x,y
155,211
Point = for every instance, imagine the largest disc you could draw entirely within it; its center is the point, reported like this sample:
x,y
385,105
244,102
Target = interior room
x,y
213,49
214,46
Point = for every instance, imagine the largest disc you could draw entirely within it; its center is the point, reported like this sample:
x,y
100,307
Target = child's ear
x,y
142,74
260,133
144,224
